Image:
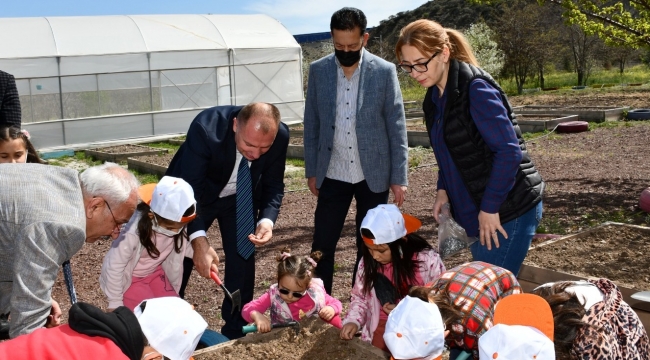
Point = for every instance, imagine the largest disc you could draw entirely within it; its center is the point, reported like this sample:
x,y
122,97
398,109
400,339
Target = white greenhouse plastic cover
x,y
90,79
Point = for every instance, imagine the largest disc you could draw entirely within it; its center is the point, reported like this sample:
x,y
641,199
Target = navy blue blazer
x,y
207,159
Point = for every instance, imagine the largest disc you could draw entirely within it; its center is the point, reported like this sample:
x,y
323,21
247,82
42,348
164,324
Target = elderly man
x,y
9,101
234,159
46,215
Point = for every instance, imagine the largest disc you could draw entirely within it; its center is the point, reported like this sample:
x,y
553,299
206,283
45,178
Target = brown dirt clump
x,y
120,149
615,252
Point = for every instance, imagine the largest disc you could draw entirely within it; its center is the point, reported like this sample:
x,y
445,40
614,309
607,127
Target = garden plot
x,y
122,152
585,113
542,122
316,340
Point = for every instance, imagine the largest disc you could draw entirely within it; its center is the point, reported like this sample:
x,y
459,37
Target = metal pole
x,y
58,64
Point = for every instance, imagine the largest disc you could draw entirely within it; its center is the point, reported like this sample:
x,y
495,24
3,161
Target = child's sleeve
x,y
359,301
260,305
334,303
111,280
433,266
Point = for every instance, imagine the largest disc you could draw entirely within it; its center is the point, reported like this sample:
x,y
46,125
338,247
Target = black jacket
x,y
470,154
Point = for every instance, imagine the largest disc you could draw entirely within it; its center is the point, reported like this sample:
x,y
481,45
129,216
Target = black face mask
x,y
347,58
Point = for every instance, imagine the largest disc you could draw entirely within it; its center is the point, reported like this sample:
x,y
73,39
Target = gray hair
x,y
109,181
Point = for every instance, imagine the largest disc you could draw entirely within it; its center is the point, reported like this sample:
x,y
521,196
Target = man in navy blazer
x,y
9,101
355,135
217,141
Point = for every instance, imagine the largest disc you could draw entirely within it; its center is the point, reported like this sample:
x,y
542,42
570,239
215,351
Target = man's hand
x,y
262,235
54,319
205,258
399,192
311,182
489,224
327,313
441,199
348,331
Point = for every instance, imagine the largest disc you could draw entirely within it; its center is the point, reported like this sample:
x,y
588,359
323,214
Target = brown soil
x,y
315,340
618,253
591,177
162,159
295,141
538,117
634,98
120,149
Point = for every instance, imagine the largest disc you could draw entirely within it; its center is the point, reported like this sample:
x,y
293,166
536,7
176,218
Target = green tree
x,y
486,50
616,22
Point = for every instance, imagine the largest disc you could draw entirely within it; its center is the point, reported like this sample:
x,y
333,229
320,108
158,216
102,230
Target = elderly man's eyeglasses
x,y
118,226
418,67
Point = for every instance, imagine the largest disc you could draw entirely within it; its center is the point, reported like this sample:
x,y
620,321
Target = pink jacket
x,y
123,256
365,309
281,312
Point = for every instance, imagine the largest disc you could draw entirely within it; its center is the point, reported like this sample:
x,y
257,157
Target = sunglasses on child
x,y
293,293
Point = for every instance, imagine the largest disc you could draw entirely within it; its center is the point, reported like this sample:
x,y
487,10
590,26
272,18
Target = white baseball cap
x,y
415,330
523,330
170,198
387,224
171,326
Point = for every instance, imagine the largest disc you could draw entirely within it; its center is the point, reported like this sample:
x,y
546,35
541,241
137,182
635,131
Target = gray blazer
x,y
380,127
42,224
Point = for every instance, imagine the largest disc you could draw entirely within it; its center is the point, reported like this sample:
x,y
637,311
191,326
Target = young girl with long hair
x,y
15,146
146,260
593,322
394,259
295,295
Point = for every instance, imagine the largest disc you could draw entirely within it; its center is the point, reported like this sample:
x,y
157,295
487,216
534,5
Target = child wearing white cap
x,y
146,260
415,330
466,296
164,327
593,322
523,330
394,259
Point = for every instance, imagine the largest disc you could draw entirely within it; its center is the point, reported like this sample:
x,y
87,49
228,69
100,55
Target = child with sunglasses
x,y
146,260
296,293
394,260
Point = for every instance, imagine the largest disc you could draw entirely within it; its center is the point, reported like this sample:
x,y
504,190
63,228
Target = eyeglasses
x,y
293,293
418,67
118,226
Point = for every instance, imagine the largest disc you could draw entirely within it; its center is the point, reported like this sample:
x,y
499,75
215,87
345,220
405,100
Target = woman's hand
x,y
388,307
441,199
489,224
348,331
262,322
327,313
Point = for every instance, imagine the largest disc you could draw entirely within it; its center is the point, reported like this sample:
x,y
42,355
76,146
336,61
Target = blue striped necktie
x,y
245,223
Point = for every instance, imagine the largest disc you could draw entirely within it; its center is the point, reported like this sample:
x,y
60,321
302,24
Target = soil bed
x,y
122,152
316,339
126,149
614,252
162,160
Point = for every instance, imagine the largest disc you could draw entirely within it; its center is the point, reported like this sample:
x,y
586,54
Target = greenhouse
x,y
84,81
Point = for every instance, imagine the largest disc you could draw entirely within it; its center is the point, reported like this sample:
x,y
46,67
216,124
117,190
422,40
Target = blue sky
x,y
299,16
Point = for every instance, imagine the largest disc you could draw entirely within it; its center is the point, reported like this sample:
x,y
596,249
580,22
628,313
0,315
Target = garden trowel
x,y
292,324
641,296
234,297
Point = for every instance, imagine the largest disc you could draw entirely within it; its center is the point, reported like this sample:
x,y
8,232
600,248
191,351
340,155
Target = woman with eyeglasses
x,y
146,259
296,295
485,172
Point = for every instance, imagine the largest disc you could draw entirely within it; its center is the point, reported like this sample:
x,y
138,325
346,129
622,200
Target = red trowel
x,y
234,297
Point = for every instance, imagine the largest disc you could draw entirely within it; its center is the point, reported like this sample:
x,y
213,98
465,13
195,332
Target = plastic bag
x,y
452,238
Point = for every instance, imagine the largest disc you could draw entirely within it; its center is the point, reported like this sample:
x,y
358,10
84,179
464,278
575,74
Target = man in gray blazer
x,y
46,215
355,135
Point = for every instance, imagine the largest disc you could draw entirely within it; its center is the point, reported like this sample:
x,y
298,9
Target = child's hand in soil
x,y
388,307
262,322
326,313
348,331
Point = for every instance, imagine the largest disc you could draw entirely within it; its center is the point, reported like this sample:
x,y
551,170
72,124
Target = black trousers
x,y
334,199
239,273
